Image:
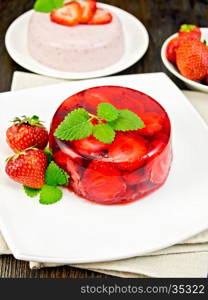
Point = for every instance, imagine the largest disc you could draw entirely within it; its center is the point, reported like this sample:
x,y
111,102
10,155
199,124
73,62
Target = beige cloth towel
x,y
187,259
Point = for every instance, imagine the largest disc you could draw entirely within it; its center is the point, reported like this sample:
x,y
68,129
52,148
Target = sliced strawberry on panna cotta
x,y
88,10
100,17
69,15
102,183
90,146
128,151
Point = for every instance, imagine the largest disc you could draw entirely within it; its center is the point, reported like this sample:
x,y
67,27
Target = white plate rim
x,y
116,68
174,71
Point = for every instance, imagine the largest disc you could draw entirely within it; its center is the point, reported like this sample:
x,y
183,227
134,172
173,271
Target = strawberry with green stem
x,y
28,168
192,59
186,32
25,133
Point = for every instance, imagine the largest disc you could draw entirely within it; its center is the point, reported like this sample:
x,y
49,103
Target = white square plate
x,y
77,231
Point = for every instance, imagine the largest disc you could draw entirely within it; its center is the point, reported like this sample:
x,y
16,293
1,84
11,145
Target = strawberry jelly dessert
x,y
134,165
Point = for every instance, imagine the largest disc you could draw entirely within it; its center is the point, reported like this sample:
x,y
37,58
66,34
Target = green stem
x,y
100,120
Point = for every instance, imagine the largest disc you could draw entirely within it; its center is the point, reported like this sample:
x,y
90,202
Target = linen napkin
x,y
186,259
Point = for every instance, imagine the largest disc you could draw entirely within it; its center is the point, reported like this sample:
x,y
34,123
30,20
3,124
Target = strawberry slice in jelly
x,y
158,168
72,167
90,147
153,123
135,177
102,183
128,151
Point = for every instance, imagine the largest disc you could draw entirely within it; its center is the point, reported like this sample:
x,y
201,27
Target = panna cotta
x,y
80,48
134,165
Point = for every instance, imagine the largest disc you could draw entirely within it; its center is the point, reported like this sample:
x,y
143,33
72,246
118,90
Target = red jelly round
x,y
134,165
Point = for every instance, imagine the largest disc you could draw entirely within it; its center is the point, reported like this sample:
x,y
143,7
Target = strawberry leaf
x,y
50,194
75,126
127,120
55,175
46,6
107,112
104,133
31,192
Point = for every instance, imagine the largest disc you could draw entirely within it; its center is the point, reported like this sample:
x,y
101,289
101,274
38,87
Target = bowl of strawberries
x,y
185,54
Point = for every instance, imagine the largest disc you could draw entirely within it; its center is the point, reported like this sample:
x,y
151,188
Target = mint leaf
x,y
31,192
46,6
50,194
107,112
75,126
49,154
55,175
104,133
127,120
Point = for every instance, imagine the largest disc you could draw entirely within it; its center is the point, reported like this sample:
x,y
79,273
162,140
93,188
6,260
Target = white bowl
x,y
194,85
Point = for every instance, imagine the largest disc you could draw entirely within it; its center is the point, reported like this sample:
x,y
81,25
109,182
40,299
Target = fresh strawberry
x,y
153,123
135,177
102,183
100,17
190,32
90,146
69,15
88,10
171,49
128,151
26,133
28,168
192,59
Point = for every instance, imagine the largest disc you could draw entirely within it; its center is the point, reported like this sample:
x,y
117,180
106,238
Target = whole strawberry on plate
x,y
192,59
28,168
27,132
186,32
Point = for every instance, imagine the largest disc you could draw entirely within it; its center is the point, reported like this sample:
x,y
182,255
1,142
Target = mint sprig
x,y
50,193
47,6
55,175
75,126
31,192
126,121
107,111
104,133
78,124
49,154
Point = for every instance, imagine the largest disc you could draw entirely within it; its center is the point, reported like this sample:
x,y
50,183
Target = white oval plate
x,y
77,231
190,83
136,44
